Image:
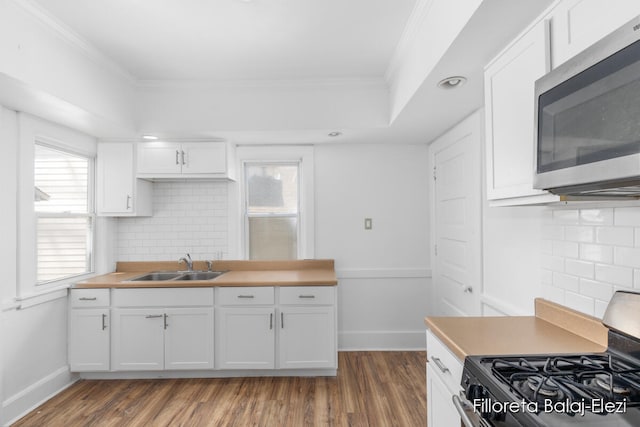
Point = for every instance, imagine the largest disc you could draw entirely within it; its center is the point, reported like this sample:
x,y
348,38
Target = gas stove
x,y
555,390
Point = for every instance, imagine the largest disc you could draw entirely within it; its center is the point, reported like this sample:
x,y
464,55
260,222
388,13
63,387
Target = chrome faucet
x,y
187,260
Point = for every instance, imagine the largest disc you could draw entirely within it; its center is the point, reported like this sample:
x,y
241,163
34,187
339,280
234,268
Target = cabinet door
x,y
188,338
159,158
440,409
577,24
307,337
245,338
509,109
89,340
114,178
138,339
204,158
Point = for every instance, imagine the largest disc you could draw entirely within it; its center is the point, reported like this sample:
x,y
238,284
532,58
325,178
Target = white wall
x,y
384,272
46,71
511,249
33,324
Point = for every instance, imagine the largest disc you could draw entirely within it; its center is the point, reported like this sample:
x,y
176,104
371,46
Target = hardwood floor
x,y
371,389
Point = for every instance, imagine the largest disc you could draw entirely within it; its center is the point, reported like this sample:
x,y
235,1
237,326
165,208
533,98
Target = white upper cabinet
x,y
157,160
577,24
118,191
509,109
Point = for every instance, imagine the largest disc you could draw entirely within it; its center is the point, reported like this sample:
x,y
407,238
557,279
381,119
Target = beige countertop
x,y
554,329
238,273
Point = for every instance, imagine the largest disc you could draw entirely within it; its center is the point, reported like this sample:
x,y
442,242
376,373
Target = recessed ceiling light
x,y
334,134
452,82
149,137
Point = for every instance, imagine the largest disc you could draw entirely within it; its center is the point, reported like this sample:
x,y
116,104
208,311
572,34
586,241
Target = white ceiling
x,y
240,39
317,41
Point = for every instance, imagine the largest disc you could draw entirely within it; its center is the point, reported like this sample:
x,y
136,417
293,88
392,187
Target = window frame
x,y
90,214
283,154
247,215
29,130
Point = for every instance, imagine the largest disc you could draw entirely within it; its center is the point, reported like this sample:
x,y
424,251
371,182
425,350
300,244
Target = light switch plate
x,y
368,223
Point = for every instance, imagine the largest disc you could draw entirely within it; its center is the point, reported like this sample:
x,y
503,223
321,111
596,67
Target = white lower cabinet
x,y
440,409
89,339
89,330
297,330
162,329
245,338
444,372
171,329
158,339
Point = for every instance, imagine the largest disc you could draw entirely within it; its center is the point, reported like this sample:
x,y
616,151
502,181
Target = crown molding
x,y
46,19
416,20
280,83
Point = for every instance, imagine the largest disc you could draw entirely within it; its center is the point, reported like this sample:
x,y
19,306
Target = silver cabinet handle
x,y
246,296
183,161
128,202
440,365
177,157
306,296
153,316
464,417
468,290
166,316
87,298
282,320
271,321
104,322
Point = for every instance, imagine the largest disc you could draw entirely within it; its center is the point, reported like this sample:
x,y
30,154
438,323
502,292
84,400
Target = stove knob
x,y
475,392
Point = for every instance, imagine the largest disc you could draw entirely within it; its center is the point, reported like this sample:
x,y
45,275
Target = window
x,y
64,213
272,214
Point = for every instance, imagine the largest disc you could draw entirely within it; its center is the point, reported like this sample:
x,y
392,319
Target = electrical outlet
x,y
368,223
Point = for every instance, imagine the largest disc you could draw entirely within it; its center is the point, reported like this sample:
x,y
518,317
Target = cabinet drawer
x,y
307,295
447,366
163,297
89,298
246,295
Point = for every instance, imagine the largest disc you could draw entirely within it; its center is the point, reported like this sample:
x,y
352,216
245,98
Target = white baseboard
x,y
20,404
381,340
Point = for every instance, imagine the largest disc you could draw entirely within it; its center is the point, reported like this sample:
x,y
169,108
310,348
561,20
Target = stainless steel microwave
x,y
587,139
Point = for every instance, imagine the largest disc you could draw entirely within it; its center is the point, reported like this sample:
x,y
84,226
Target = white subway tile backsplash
x,y
597,216
597,253
600,308
579,268
614,274
627,256
578,233
587,254
580,302
620,236
627,216
596,290
566,281
188,217
565,249
566,216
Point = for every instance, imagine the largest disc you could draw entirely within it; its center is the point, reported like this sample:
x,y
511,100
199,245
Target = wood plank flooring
x,y
371,389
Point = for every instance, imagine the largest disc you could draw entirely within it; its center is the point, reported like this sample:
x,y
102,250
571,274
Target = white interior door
x,y
457,212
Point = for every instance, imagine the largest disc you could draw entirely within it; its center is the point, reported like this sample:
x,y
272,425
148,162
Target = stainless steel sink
x,y
158,275
177,275
200,275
